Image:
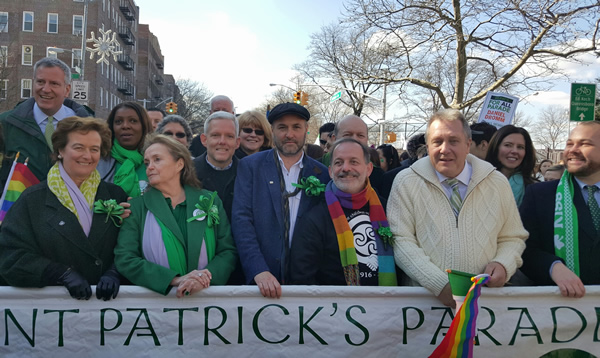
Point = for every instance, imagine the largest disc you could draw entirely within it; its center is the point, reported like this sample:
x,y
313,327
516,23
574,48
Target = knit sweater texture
x,y
428,237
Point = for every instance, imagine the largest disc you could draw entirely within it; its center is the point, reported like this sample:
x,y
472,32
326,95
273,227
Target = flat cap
x,y
283,109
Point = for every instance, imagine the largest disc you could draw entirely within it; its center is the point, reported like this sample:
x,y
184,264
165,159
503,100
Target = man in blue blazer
x,y
563,219
266,203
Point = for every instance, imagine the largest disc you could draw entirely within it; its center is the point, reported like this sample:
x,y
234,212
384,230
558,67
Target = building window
x,y
77,25
3,21
76,57
53,23
51,53
25,88
27,55
28,21
4,56
3,88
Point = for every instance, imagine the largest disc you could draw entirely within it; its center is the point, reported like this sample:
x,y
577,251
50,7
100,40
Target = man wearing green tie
x,y
29,126
451,210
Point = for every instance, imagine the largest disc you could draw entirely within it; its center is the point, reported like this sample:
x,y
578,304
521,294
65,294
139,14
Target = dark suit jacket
x,y
204,173
537,214
39,231
258,219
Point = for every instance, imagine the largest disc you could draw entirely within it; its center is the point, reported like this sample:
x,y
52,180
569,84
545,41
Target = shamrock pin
x,y
112,210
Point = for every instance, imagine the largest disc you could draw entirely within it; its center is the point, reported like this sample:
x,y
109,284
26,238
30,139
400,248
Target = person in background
x,y
314,151
563,219
451,210
554,172
217,103
324,132
177,127
167,242
267,205
511,151
541,169
415,142
255,134
26,128
388,157
52,236
350,209
129,124
482,134
156,115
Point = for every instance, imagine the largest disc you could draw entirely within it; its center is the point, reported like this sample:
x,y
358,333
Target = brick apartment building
x,y
29,29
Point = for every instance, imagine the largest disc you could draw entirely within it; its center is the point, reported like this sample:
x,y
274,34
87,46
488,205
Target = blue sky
x,y
236,48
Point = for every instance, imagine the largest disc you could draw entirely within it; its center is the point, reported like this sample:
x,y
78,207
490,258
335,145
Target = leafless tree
x,y
193,102
522,120
457,51
550,130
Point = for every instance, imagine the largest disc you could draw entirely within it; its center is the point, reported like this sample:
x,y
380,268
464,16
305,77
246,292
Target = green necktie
x,y
593,205
455,199
49,130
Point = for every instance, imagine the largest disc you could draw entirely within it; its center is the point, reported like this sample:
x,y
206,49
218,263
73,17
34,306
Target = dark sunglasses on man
x,y
323,141
178,134
250,130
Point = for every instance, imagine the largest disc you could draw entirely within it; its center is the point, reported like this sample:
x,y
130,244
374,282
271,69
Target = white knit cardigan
x,y
428,237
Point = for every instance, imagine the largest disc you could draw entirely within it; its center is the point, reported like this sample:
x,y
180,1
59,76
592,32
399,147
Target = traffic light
x,y
298,97
390,137
171,108
304,98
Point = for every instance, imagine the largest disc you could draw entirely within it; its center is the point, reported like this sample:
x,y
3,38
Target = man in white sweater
x,y
451,210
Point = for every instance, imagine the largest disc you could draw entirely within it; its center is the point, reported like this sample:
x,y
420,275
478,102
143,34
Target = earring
x,y
59,156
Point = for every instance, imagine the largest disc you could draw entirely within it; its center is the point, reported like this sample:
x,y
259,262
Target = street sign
x,y
80,91
335,96
583,101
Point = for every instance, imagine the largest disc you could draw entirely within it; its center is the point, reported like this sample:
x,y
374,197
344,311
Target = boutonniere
x,y
206,209
385,234
112,210
311,185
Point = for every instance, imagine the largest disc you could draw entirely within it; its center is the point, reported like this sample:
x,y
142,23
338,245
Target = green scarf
x,y
58,187
517,186
566,230
174,248
126,176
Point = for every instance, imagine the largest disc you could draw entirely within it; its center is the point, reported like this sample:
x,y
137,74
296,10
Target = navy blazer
x,y
257,216
537,214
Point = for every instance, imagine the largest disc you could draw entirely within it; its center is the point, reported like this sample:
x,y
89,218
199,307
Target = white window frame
x,y
75,56
30,55
25,14
5,28
4,56
3,89
24,86
77,31
52,14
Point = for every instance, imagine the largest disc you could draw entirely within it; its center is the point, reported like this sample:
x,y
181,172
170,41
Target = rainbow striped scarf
x,y
459,339
336,199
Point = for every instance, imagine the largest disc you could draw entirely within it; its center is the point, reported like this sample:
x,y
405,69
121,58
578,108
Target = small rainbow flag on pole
x,y
459,340
19,179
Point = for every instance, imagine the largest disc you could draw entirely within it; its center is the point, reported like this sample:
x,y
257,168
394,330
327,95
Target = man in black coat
x,y
545,214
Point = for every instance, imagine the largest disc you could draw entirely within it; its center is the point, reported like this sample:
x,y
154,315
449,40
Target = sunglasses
x,y
250,130
323,141
178,134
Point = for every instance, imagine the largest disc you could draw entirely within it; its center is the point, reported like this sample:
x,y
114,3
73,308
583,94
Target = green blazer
x,y
129,256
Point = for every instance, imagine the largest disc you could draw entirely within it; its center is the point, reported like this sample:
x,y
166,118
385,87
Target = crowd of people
x,y
137,199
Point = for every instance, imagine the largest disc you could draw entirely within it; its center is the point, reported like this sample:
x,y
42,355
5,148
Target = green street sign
x,y
74,76
583,101
335,96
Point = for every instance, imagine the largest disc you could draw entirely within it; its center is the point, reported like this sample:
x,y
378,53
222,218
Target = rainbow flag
x,y
19,179
460,337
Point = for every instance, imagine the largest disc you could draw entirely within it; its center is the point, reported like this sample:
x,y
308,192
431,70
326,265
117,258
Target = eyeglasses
x,y
323,141
178,134
250,130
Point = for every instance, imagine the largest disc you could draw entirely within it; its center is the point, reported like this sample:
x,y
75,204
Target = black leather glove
x,y
109,284
77,285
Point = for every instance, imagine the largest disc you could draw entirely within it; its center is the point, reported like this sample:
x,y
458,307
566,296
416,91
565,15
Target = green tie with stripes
x,y
49,130
593,205
455,199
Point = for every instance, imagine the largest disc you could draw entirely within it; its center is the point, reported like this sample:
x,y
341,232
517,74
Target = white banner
x,y
498,109
308,321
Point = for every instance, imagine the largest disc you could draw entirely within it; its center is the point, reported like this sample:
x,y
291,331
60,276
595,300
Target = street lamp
x,y
277,84
56,50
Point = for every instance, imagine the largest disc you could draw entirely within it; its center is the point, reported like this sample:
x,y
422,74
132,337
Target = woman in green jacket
x,y
178,235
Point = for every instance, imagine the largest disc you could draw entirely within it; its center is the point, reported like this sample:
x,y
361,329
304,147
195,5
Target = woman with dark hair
x,y
511,151
388,157
129,124
541,169
178,235
54,234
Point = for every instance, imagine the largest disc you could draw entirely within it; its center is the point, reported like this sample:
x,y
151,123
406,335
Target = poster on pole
x,y
498,109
